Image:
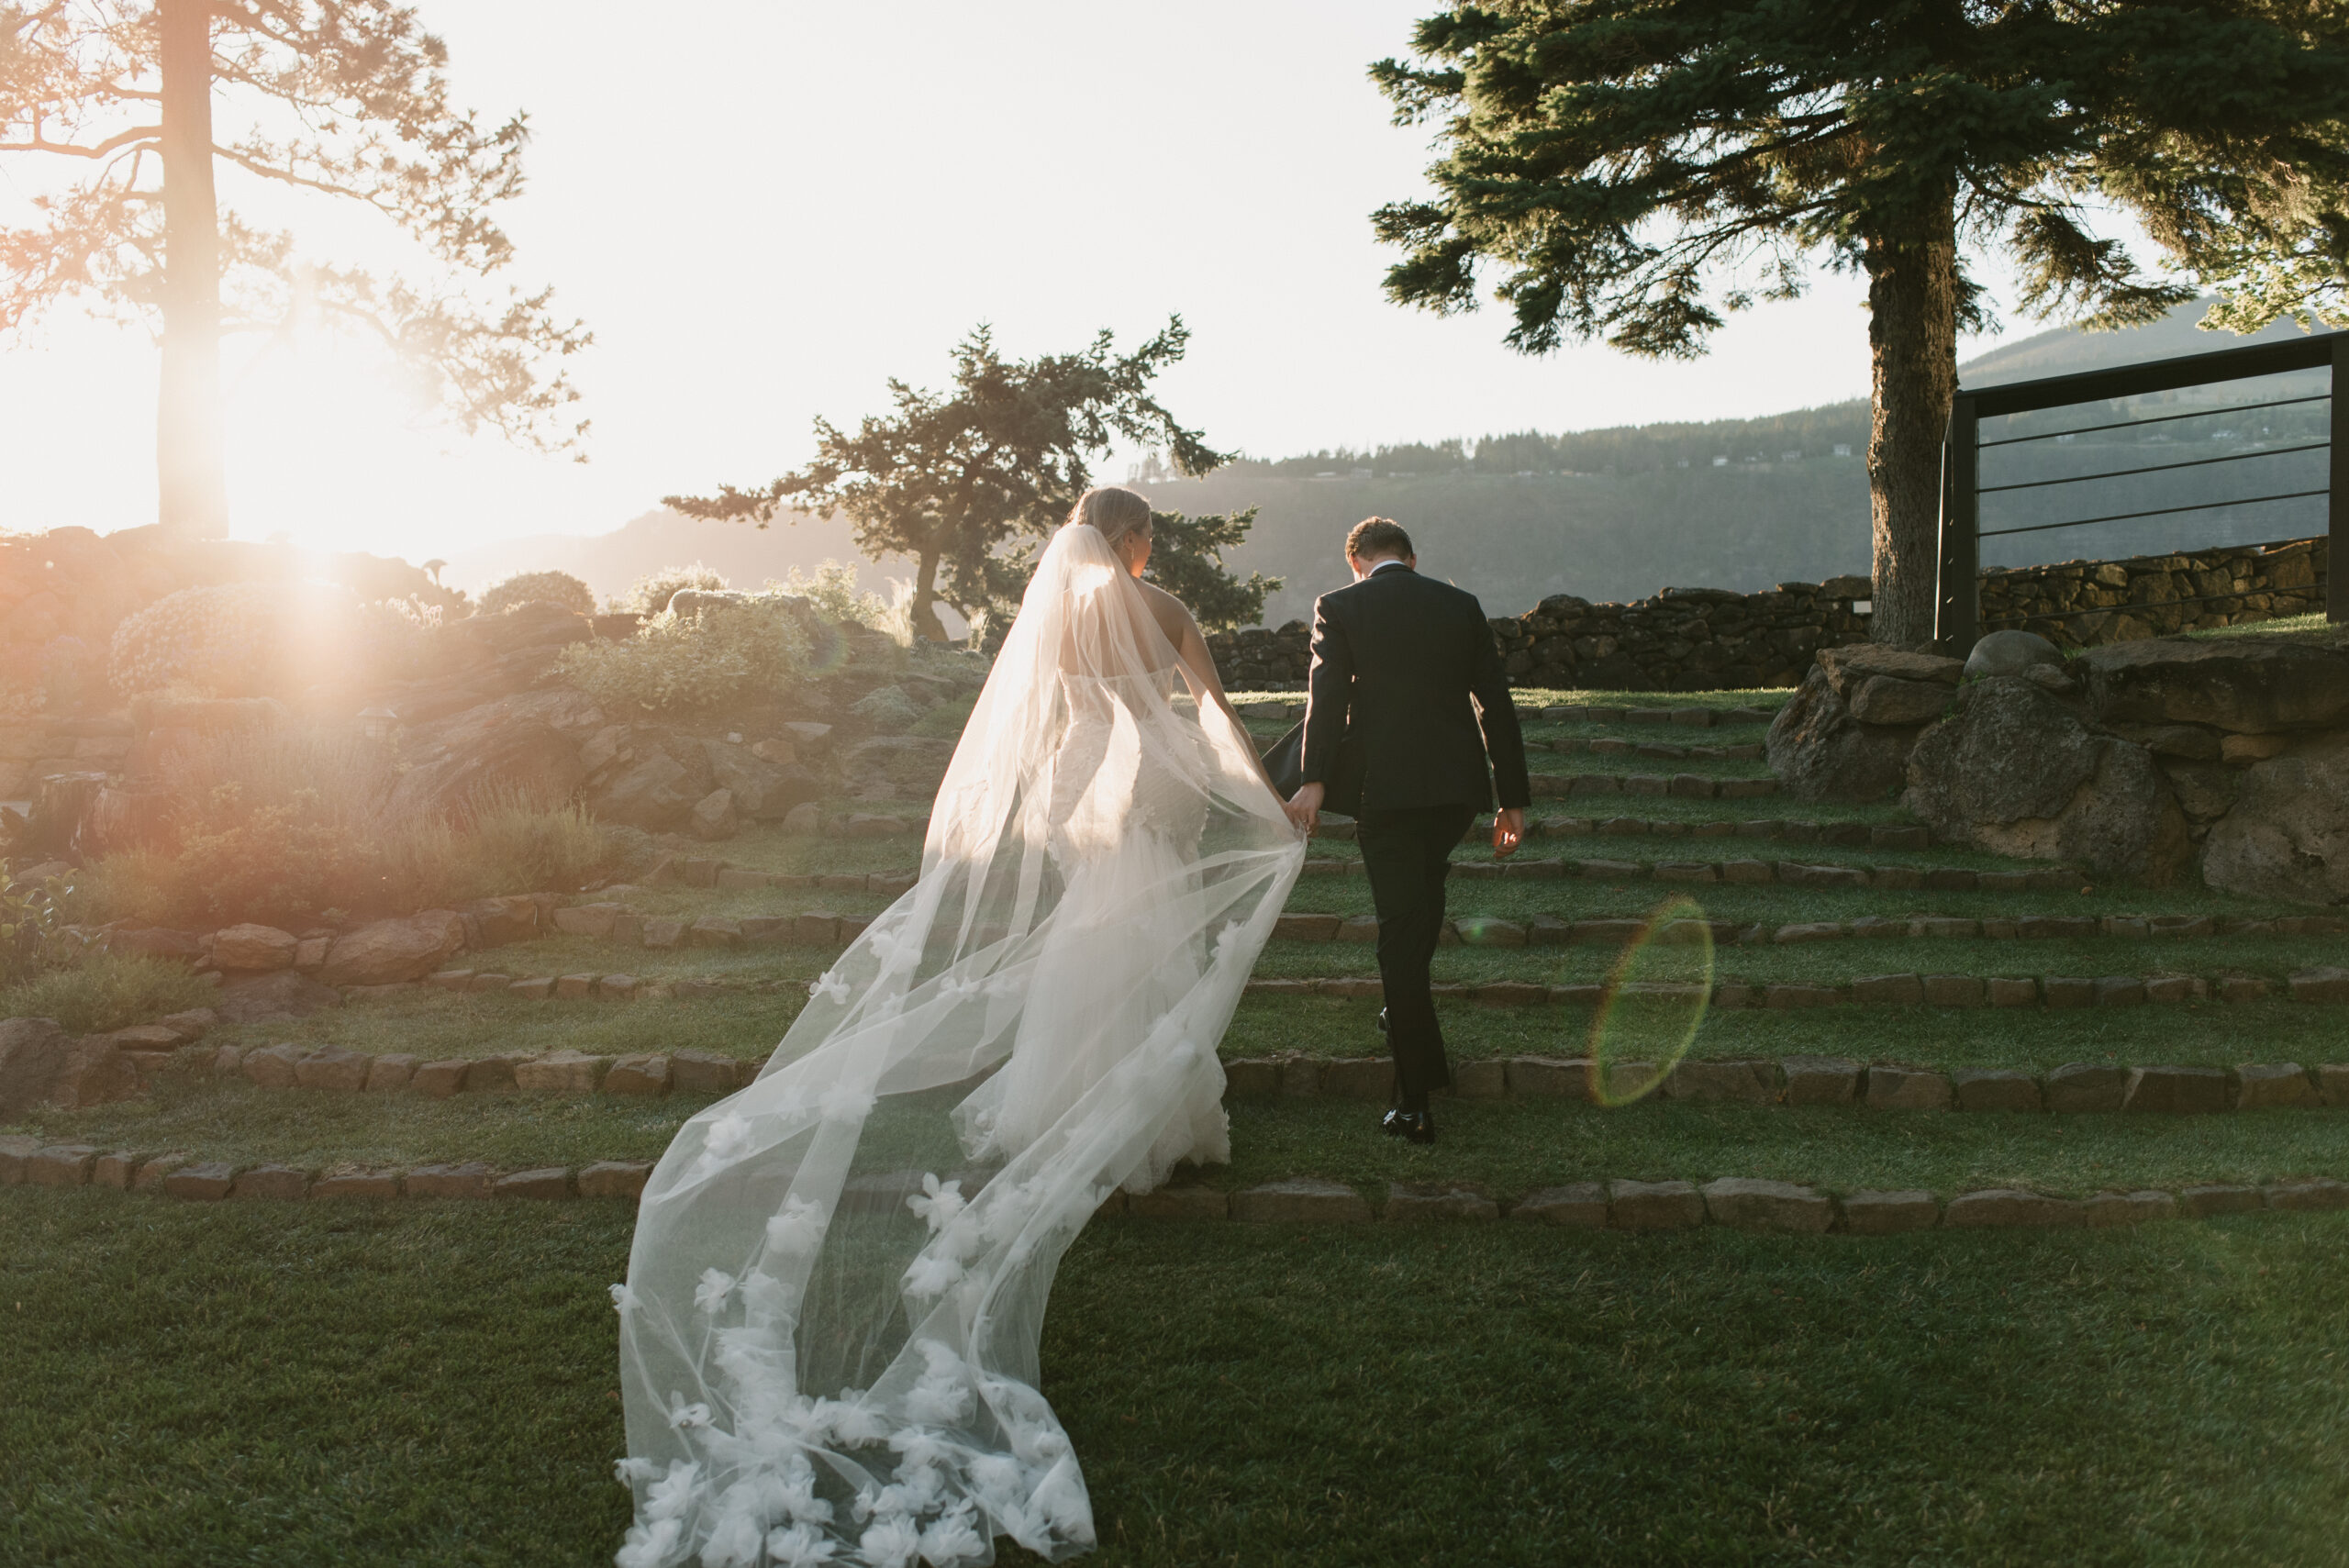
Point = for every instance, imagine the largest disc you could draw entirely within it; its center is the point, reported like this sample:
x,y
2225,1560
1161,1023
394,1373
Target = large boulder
x,y
2010,653
896,767
274,998
42,1064
762,790
525,746
1820,752
2015,771
1850,668
2287,836
2248,685
250,948
383,952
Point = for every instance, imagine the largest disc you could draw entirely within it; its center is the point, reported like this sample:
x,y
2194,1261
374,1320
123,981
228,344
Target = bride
x,y
829,1332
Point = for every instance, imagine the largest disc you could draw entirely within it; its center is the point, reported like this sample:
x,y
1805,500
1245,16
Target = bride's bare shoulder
x,y
1173,616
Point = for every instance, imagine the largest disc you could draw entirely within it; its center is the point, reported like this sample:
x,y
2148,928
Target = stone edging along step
x,y
2078,1087
1733,1202
1557,930
2055,991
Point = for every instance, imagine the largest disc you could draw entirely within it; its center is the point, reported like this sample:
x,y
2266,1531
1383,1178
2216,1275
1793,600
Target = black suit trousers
x,y
1408,854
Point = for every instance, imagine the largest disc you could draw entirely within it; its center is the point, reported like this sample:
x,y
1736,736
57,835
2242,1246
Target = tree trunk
x,y
1913,344
923,613
191,491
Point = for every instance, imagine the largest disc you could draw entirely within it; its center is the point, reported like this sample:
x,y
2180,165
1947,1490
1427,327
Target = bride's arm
x,y
1198,670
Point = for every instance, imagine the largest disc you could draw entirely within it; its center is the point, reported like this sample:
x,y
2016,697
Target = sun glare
x,y
322,444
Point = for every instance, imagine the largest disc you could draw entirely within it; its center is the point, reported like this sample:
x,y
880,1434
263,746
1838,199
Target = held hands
x,y
1304,807
1508,832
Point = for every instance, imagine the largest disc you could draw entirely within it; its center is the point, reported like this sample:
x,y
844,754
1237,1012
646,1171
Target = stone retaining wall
x,y
1737,1202
2083,604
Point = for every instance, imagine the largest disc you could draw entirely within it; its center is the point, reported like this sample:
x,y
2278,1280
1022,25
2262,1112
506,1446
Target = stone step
x,y
2314,985
1680,786
1562,931
1733,1202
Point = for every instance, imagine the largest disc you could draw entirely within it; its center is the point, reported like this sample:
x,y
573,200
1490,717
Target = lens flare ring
x,y
1653,1003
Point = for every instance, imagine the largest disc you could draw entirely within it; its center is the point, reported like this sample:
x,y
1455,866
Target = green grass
x,y
2035,1039
431,1023
106,991
434,1384
2313,624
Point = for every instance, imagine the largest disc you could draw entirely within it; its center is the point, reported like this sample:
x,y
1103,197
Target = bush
x,y
530,587
650,596
219,642
718,656
290,829
831,590
887,709
392,640
106,991
32,915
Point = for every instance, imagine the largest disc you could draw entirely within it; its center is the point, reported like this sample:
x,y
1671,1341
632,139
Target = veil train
x,y
829,1332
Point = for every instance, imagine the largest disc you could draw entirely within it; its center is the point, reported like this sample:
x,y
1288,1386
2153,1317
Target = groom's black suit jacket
x,y
1388,724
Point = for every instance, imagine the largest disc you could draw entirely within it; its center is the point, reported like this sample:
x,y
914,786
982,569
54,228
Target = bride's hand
x,y
1304,807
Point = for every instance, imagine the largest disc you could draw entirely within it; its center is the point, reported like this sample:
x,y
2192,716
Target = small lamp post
x,y
377,722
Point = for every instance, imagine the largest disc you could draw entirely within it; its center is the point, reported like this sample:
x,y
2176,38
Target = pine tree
x,y
1635,169
952,478
344,100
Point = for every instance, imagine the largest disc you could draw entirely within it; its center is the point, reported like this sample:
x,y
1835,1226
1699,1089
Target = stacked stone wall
x,y
2086,603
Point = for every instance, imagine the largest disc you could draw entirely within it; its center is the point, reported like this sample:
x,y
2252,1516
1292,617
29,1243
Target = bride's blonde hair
x,y
1115,512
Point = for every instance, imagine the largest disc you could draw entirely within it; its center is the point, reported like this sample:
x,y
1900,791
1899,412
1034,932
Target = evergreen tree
x,y
340,99
1634,169
951,478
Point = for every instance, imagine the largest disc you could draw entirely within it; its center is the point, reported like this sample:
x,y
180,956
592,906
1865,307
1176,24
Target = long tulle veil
x,y
829,1332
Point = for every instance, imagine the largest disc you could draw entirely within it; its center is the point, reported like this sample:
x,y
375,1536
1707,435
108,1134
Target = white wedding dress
x,y
829,1332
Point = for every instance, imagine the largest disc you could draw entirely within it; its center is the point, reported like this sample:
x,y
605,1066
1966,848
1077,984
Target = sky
x,y
763,209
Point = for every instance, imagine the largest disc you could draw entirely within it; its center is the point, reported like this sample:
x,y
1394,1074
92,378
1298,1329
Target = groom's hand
x,y
1304,807
1508,832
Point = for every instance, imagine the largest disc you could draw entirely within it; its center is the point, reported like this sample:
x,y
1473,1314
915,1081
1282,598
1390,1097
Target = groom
x,y
1392,738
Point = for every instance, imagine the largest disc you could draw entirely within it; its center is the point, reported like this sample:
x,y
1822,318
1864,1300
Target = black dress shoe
x,y
1412,1127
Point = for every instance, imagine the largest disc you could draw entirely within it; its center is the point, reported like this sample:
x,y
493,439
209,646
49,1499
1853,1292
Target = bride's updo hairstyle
x,y
1114,512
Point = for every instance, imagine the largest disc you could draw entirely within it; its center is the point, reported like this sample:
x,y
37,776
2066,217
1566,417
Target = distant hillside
x,y
1610,514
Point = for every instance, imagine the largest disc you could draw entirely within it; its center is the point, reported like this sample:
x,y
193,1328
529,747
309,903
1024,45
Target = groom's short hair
x,y
1376,537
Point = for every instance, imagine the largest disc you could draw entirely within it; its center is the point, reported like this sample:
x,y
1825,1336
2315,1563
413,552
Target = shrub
x,y
530,587
720,655
392,640
32,916
887,709
106,991
287,828
650,596
831,590
219,642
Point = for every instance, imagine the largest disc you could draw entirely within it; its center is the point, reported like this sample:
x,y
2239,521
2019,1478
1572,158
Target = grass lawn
x,y
433,1383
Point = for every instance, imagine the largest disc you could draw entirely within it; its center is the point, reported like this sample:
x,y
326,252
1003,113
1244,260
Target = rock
x,y
2201,1202
655,793
1994,1089
61,1165
551,1182
614,1178
2327,984
1738,1082
587,920
277,1183
536,989
713,816
440,1079
805,818
525,746
703,1072
1409,1205
2274,1085
2080,1086
763,791
2010,653
383,952
1850,668
192,1025
357,1184
391,1072
1303,1201
1820,1080
493,1072
274,998
1654,1206
561,1072
2246,749
2010,1208
206,1182
254,949
1907,1089
1820,752
2287,834
1887,699
115,1169
1872,1213
2129,1209
1751,1205
1546,1077
493,922
1370,1078
273,1066
1184,1203
152,1173
2308,1193
2014,771
32,1052
896,767
574,987
468,1180
2177,1090
643,1075
1580,1204
334,1068
2249,686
